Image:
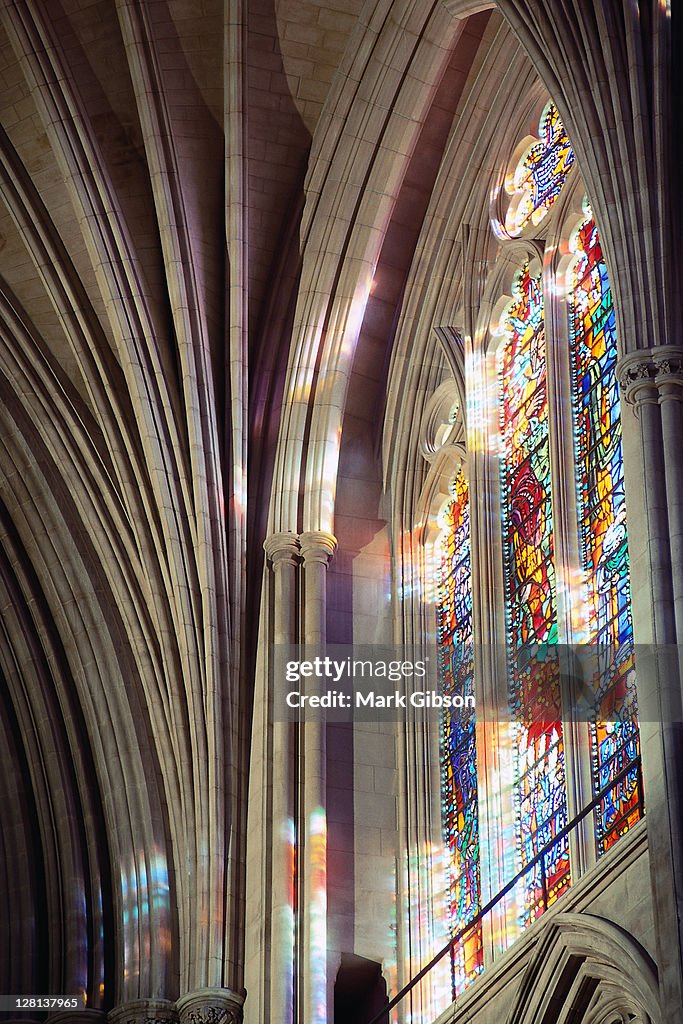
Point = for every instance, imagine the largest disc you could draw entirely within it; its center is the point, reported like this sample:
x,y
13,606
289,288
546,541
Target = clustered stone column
x,y
652,384
144,1011
298,947
283,551
296,950
86,1016
317,549
210,1006
204,1006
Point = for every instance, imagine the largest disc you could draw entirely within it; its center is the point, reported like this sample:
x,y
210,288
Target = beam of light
x,y
285,925
481,381
573,593
501,851
414,582
144,889
326,472
426,929
129,904
330,394
78,927
100,917
317,910
160,897
239,494
390,970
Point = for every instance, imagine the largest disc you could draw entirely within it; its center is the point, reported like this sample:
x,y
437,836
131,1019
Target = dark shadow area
x,y
360,991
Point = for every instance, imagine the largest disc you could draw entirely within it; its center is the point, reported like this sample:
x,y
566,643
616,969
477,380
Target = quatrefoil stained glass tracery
x,y
539,175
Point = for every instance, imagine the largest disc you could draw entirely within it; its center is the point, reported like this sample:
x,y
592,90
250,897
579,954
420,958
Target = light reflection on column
x,y
426,931
286,915
145,898
317,838
78,926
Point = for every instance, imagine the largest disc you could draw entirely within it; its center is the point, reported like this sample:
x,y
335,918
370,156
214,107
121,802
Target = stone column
x,y
283,551
317,548
86,1016
210,1006
140,1011
652,385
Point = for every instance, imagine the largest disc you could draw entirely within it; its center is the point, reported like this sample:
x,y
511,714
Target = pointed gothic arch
x,y
585,970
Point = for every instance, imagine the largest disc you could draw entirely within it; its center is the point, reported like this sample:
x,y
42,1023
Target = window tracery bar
x,y
530,602
458,740
603,532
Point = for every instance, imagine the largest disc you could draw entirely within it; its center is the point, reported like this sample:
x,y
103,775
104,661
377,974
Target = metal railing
x,y
539,859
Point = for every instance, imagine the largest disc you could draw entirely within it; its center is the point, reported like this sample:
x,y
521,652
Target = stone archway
x,y
586,970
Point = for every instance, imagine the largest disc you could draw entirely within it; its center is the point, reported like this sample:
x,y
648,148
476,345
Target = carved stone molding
x,y
652,375
611,1006
282,548
443,422
143,1011
86,1016
582,951
210,1006
317,546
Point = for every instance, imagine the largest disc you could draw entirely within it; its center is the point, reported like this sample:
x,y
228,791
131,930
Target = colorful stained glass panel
x,y
540,174
530,605
603,533
458,740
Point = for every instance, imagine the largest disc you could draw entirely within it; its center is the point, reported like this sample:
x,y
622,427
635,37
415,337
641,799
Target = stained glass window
x,y
530,606
603,533
458,741
539,175
535,690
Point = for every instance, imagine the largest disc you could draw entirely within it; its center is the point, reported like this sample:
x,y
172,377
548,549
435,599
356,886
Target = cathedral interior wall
x,y
250,271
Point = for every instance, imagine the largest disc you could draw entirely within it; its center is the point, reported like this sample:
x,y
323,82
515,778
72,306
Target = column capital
x,y
210,1006
88,1016
143,1011
317,546
651,375
282,548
